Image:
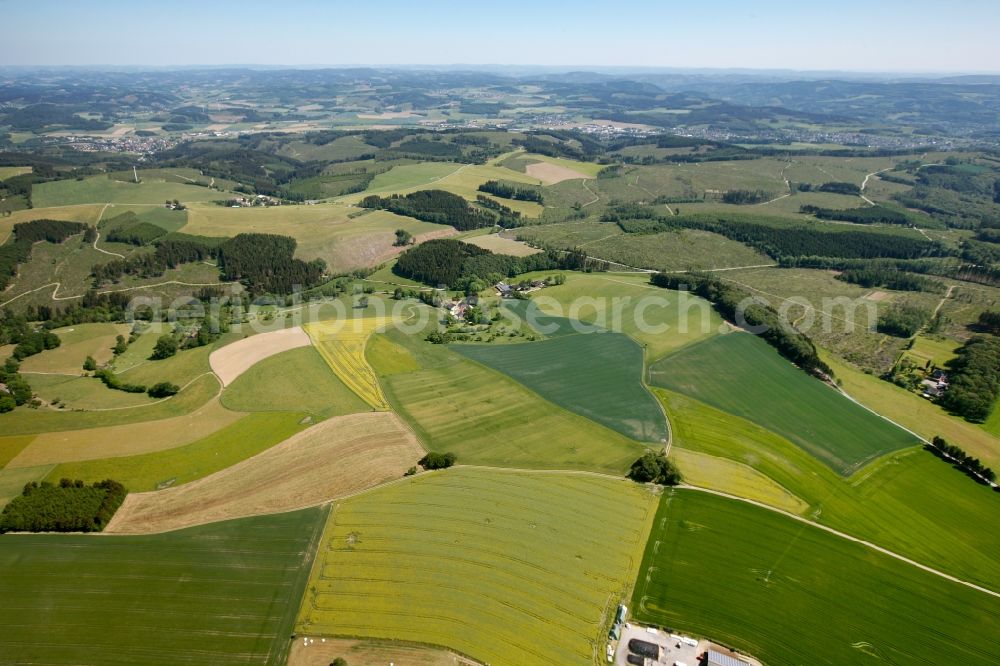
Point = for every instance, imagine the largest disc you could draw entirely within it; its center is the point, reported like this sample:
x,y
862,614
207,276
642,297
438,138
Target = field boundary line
x,y
848,537
642,384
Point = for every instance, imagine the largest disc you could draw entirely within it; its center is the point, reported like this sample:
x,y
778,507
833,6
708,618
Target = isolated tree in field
x,y
339,661
403,237
121,344
89,364
435,460
166,346
655,467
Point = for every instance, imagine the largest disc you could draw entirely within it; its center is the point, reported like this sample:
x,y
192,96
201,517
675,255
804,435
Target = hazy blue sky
x,y
872,35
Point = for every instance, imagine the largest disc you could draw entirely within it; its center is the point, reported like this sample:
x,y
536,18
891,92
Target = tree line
x,y
972,466
746,197
974,379
169,252
882,275
70,506
507,191
989,321
457,265
508,219
435,206
870,215
835,187
780,240
35,342
902,320
128,228
27,234
728,300
265,263
18,390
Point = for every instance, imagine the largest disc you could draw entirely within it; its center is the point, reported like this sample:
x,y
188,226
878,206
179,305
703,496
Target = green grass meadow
x,y
506,567
238,441
33,421
660,320
909,502
486,418
790,594
102,189
296,380
741,374
224,593
596,375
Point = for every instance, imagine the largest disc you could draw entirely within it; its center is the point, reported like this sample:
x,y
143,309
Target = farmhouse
x,y
458,310
508,290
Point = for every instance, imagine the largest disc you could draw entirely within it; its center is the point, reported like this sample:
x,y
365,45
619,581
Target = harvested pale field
x,y
550,174
125,440
234,359
307,651
337,458
500,245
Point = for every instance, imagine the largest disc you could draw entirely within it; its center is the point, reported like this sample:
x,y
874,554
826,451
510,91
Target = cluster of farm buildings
x,y
649,646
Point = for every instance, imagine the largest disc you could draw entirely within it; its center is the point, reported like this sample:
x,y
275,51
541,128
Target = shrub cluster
x,y
113,381
434,460
35,343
